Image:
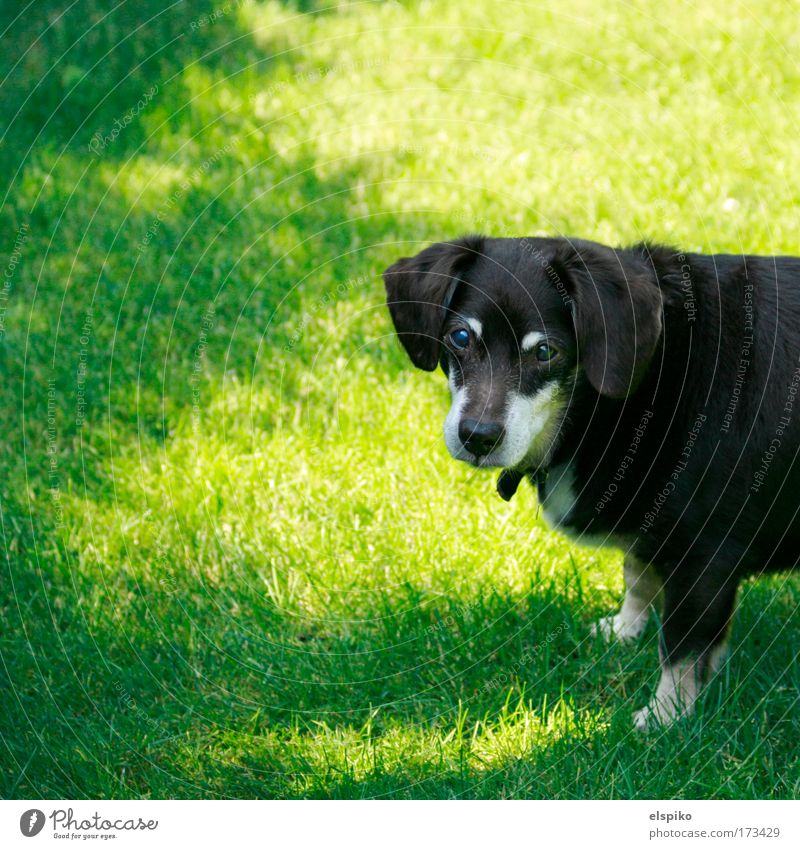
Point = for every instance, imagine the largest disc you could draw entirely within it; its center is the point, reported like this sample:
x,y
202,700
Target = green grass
x,y
237,559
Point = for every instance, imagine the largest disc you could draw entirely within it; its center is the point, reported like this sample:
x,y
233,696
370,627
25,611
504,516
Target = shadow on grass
x,y
119,688
72,70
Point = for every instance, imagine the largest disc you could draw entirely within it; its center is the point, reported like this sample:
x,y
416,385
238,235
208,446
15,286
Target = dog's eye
x,y
460,338
545,352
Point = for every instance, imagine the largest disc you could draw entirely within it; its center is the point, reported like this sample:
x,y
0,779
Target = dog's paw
x,y
644,721
654,717
658,714
675,697
618,627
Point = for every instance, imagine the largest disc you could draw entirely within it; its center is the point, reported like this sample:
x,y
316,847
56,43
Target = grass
x,y
237,559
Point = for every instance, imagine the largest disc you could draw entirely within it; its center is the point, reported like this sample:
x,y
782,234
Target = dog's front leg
x,y
642,591
694,629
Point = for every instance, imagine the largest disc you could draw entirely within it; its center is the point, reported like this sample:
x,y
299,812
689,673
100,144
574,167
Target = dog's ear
x,y
419,290
617,310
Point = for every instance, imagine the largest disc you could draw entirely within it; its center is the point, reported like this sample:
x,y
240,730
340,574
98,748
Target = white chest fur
x,y
560,495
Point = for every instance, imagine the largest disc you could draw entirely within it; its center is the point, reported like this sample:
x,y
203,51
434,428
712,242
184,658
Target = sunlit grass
x,y
239,560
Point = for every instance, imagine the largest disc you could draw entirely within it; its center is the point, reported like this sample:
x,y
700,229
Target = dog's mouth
x,y
530,431
485,461
535,459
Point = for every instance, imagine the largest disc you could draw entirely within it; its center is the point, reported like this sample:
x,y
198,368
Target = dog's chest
x,y
559,499
557,495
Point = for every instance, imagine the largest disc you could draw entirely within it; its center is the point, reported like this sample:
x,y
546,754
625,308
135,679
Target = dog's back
x,y
731,368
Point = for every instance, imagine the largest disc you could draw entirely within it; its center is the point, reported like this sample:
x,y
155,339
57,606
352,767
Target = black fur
x,y
704,350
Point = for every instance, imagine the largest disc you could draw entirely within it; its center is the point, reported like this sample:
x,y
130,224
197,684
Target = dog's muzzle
x,y
480,438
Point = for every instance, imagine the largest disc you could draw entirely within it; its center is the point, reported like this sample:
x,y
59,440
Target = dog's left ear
x,y
419,290
617,310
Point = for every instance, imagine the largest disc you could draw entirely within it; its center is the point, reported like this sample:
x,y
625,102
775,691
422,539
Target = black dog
x,y
651,397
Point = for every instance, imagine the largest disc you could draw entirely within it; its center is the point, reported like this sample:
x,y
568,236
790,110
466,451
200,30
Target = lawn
x,y
238,561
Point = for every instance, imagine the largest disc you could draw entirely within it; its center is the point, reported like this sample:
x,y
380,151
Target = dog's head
x,y
515,324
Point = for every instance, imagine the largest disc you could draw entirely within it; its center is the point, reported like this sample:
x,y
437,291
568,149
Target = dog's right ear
x,y
419,290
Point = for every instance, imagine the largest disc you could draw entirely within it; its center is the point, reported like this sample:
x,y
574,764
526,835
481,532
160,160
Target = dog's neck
x,y
611,419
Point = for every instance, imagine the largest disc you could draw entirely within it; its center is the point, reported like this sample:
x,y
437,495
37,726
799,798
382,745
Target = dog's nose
x,y
480,438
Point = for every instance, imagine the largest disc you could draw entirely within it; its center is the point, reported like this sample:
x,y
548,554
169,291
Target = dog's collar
x,y
509,480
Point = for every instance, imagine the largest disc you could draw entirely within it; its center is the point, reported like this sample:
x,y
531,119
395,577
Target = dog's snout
x,y
480,438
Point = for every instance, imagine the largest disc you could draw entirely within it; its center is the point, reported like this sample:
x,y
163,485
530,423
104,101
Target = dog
x,y
649,395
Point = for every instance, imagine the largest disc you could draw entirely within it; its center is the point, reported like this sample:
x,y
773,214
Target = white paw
x,y
656,715
645,720
641,719
622,629
662,711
